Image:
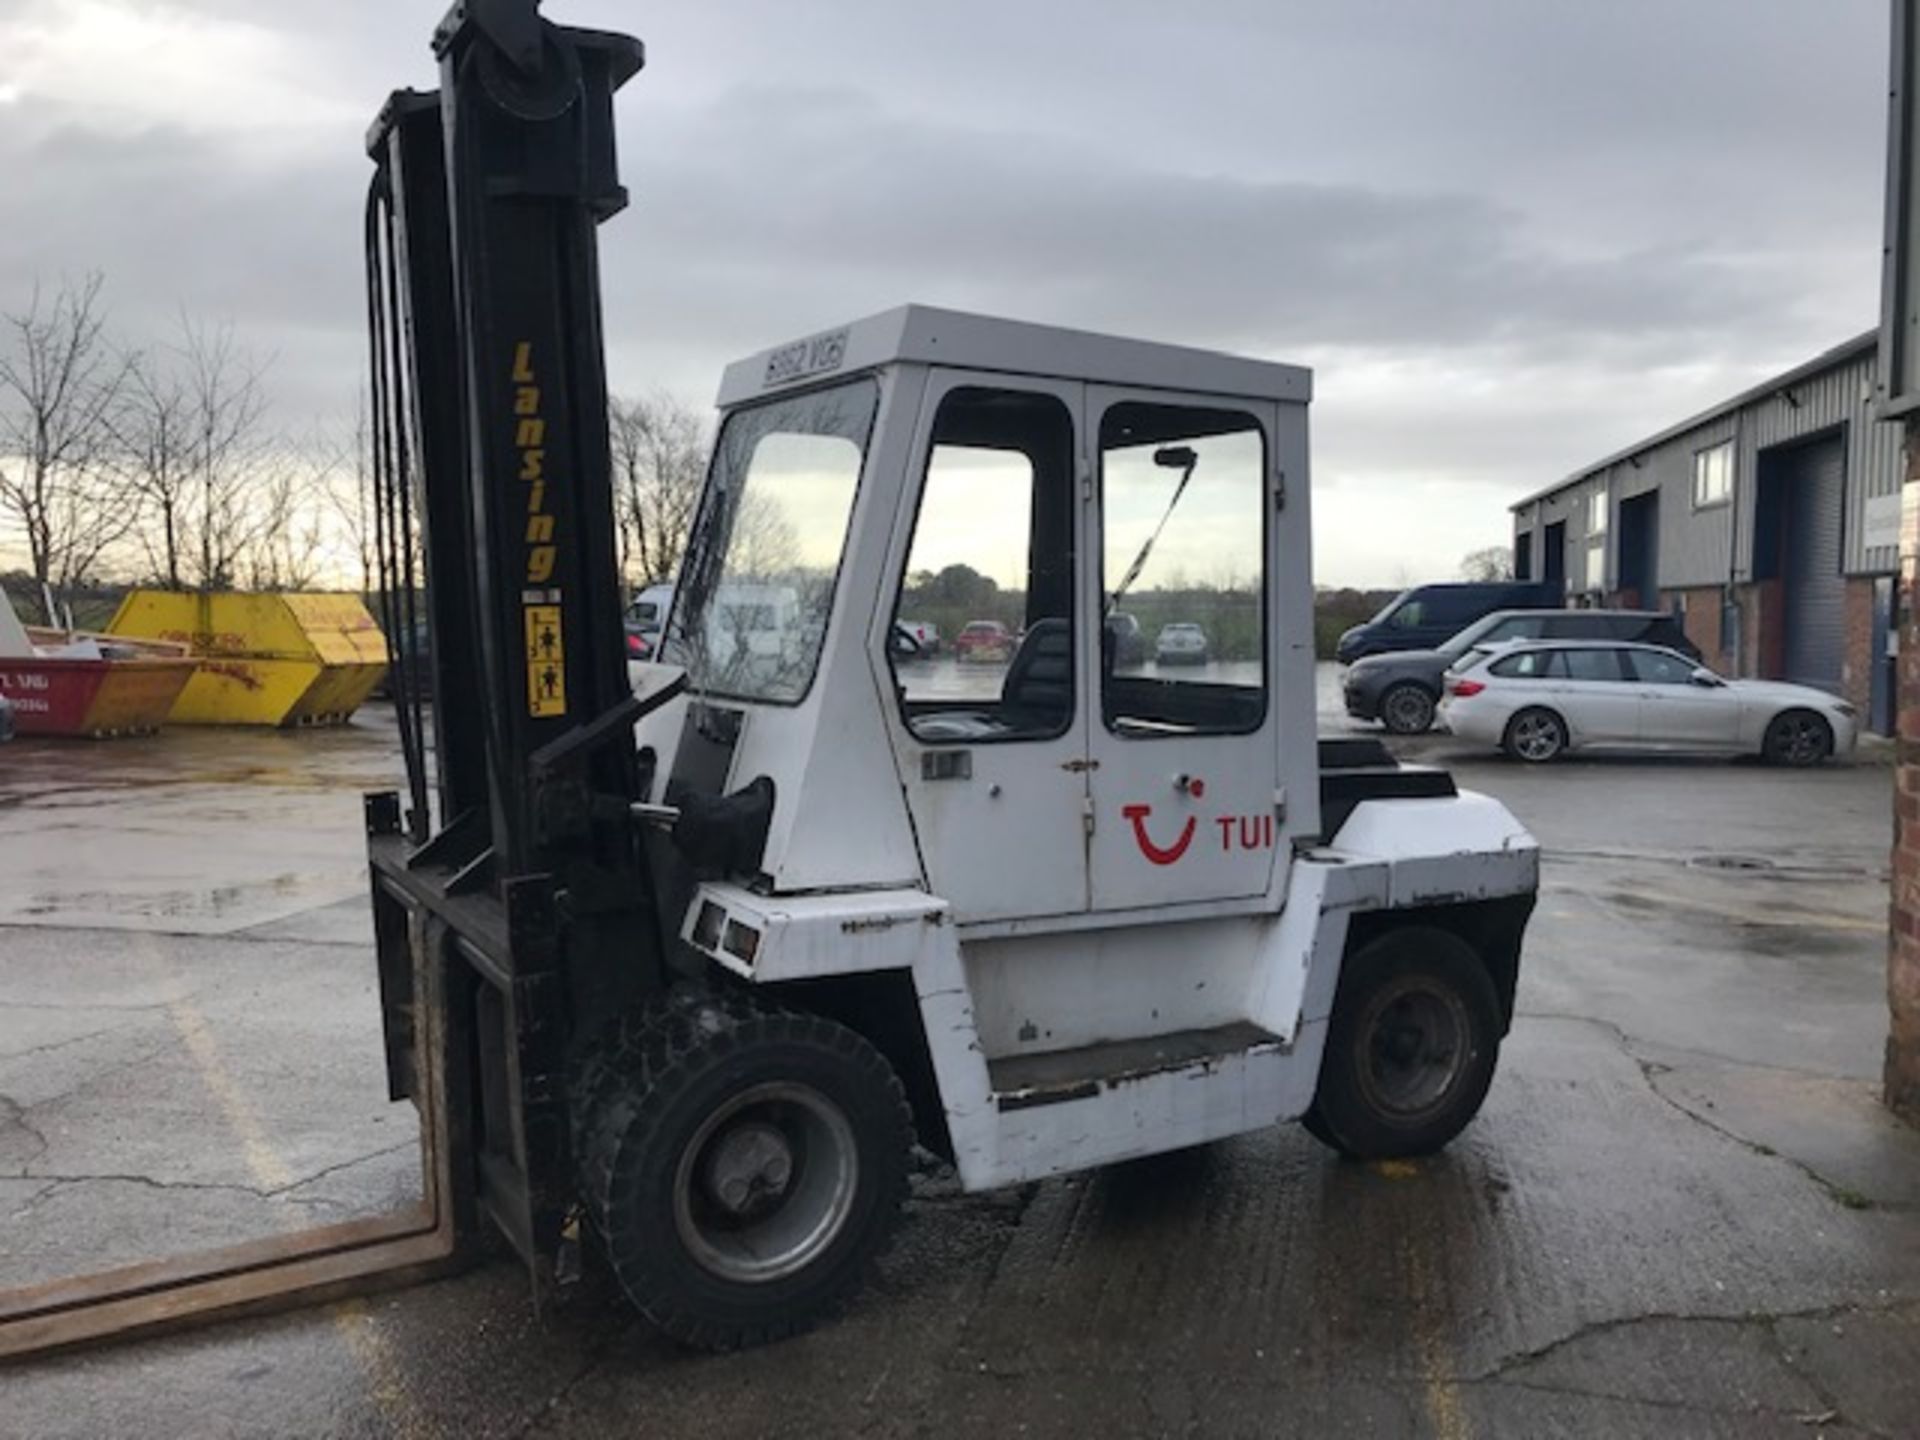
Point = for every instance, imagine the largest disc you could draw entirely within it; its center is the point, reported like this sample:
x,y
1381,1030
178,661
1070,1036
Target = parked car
x,y
1181,643
983,640
640,643
6,718
1536,700
905,644
926,636
1402,689
1127,642
1421,618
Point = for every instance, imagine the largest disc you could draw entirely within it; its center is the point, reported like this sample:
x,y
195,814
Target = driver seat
x,y
1037,695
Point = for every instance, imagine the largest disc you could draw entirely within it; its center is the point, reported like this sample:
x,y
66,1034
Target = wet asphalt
x,y
1682,1211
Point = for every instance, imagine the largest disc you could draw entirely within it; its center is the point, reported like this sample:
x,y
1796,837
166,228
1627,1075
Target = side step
x,y
1051,1077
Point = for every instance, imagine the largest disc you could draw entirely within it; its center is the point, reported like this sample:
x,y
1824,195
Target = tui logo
x,y
1158,854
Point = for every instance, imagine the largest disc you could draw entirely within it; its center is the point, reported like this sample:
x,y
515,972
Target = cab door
x,y
992,742
1184,759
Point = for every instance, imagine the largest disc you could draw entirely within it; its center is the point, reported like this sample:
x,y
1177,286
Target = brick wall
x,y
1700,615
1903,951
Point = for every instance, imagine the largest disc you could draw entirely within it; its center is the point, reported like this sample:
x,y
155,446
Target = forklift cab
x,y
1071,878
926,466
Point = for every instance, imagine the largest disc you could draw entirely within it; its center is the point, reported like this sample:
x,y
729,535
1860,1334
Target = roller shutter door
x,y
1816,592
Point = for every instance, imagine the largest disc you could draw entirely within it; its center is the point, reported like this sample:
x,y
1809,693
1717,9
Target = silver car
x,y
1181,643
1537,700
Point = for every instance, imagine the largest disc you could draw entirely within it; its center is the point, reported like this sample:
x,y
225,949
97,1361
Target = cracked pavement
x,y
1681,1213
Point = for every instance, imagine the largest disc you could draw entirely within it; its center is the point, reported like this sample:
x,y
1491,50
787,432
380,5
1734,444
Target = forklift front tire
x,y
1411,1047
743,1166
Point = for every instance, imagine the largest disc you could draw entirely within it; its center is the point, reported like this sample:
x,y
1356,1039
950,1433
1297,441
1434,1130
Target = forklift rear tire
x,y
742,1164
1411,1048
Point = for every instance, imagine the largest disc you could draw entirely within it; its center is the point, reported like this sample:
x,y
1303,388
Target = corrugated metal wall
x,y
1839,397
1696,546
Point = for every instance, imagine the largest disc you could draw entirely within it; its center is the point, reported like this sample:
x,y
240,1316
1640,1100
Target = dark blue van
x,y
1420,618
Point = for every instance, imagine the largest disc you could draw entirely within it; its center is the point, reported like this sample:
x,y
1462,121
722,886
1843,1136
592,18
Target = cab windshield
x,y
757,586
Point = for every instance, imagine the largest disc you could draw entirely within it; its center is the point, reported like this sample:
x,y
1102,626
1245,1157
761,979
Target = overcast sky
x,y
1508,236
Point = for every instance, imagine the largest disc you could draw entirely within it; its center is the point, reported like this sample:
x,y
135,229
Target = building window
x,y
1713,475
1597,513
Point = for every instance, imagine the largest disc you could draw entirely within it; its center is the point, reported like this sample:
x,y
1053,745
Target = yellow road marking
x,y
1442,1396
357,1328
269,1171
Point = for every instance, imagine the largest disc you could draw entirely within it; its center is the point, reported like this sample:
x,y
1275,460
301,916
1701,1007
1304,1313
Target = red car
x,y
983,640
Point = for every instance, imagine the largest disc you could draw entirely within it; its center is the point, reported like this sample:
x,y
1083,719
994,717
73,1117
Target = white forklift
x,y
719,941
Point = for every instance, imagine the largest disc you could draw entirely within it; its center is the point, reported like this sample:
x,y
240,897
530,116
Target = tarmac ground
x,y
1682,1211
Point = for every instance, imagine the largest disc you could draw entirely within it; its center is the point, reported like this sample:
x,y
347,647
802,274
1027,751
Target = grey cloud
x,y
178,221
1563,226
789,202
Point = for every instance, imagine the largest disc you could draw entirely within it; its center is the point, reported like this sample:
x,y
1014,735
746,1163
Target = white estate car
x,y
1537,699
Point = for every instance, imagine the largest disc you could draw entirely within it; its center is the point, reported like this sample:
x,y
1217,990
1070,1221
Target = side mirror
x,y
1706,678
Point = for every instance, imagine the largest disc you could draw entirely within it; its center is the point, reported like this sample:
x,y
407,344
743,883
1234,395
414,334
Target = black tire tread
x,y
630,1078
1767,741
1386,708
1506,736
1380,955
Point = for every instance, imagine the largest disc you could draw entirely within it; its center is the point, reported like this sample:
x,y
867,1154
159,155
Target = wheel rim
x,y
766,1183
1415,1049
1408,710
1536,737
1799,740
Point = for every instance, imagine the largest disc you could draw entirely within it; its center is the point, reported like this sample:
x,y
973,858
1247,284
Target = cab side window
x,y
1183,514
981,644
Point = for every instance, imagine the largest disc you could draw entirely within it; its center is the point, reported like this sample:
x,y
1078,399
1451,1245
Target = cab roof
x,y
921,335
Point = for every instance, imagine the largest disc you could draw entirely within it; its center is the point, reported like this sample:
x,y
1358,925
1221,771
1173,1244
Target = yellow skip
x,y
264,659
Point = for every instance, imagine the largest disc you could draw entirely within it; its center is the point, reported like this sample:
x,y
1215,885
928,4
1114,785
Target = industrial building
x,y
1770,523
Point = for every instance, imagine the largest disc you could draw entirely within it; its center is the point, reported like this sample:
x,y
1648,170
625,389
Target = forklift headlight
x,y
706,930
743,941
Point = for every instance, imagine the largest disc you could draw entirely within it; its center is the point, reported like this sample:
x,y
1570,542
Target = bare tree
x,y
659,460
225,410
150,428
1493,562
289,503
349,495
59,383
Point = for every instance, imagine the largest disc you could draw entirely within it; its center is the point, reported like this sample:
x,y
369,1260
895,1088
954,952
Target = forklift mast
x,y
513,866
